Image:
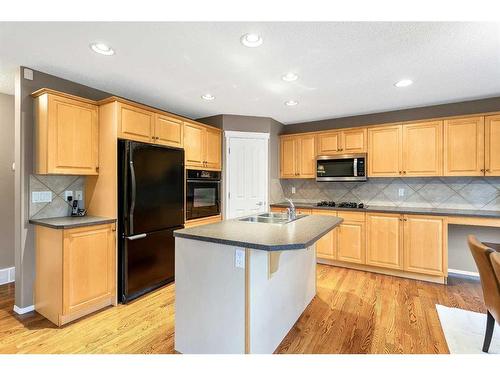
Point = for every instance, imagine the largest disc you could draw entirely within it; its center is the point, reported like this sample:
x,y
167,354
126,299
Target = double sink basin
x,y
272,218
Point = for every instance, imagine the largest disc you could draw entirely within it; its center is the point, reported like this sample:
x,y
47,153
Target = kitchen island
x,y
241,285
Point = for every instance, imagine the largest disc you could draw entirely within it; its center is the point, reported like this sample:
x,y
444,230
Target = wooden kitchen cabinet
x,y
298,157
326,246
492,145
346,142
66,134
424,244
423,149
351,243
168,131
384,240
385,151
135,123
75,271
464,146
202,146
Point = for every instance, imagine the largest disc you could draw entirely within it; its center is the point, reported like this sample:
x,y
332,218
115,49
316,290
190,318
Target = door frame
x,y
228,135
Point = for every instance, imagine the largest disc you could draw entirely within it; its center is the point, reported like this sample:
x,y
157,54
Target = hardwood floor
x,y
353,312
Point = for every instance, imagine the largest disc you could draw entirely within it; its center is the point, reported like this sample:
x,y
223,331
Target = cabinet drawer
x,y
324,212
351,216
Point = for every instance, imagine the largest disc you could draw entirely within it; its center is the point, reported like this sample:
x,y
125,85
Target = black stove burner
x,y
341,204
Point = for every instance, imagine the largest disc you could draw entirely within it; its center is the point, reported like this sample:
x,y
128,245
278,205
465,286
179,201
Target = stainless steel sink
x,y
272,218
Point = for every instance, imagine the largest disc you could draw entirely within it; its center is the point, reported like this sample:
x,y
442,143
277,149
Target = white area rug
x,y
464,331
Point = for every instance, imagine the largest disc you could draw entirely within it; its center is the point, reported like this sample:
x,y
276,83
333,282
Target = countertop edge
x,y
97,221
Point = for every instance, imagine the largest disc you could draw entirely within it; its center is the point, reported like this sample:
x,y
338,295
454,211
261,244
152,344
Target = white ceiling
x,y
344,68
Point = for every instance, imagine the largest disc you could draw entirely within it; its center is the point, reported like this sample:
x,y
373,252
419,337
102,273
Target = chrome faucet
x,y
291,210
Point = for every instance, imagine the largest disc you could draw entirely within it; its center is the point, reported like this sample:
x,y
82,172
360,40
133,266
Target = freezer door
x,y
147,261
155,192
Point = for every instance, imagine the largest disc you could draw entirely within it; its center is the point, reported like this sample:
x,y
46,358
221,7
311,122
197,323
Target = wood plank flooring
x,y
353,312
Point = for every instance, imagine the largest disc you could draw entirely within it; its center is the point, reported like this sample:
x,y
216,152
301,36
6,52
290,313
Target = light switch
x,y
41,196
67,194
78,195
401,192
239,258
293,189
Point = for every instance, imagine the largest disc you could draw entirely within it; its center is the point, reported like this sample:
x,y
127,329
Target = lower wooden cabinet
x,y
384,240
351,237
326,247
75,271
425,244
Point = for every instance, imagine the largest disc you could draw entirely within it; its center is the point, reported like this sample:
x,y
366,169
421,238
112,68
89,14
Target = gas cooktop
x,y
341,204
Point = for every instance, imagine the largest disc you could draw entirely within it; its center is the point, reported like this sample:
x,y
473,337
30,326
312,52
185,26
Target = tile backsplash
x,y
430,192
57,185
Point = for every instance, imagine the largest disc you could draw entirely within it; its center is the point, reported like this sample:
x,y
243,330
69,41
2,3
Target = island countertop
x,y
298,234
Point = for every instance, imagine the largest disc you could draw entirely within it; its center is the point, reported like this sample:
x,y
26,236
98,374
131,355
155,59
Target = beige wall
x,y
6,181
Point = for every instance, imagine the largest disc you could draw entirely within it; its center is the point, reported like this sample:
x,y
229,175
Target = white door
x,y
246,173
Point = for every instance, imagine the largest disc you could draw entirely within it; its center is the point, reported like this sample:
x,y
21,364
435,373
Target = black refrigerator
x,y
150,208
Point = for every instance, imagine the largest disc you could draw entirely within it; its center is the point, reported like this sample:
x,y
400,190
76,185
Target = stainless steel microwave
x,y
346,167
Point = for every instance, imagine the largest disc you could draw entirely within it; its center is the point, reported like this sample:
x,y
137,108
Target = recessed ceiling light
x,y
102,48
291,103
403,83
208,97
290,77
251,40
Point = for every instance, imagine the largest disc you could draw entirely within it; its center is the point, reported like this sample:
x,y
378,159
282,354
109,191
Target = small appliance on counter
x,y
75,207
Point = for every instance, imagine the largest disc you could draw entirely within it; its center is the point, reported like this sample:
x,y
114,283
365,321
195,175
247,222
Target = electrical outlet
x,y
67,194
78,195
293,189
239,258
401,192
41,196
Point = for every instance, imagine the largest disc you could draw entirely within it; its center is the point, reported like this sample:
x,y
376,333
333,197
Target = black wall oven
x,y
202,193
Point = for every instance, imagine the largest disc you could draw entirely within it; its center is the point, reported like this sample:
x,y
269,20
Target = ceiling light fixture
x,y
403,83
291,103
102,49
251,40
290,77
208,97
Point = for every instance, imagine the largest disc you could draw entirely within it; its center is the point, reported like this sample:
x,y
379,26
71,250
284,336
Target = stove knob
x,y
361,205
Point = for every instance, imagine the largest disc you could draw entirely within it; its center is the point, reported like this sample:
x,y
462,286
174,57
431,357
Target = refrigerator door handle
x,y
132,202
136,237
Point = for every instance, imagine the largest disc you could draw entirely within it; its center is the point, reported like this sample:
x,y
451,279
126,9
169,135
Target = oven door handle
x,y
205,181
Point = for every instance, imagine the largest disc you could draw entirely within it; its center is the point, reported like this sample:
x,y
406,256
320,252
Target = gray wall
x,y
411,114
6,181
24,232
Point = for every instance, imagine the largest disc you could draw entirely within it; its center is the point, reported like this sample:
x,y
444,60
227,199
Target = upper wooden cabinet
x,y
423,149
424,244
385,151
492,145
342,141
384,240
168,131
135,123
66,134
202,146
298,157
464,147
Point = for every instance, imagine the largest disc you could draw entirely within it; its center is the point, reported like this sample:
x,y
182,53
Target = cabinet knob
x,y
488,170
482,170
404,172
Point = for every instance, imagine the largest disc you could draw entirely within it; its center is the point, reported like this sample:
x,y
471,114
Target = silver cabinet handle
x,y
136,237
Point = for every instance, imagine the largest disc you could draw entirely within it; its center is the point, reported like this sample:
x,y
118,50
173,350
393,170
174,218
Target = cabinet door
x,y
351,243
213,149
72,142
329,143
288,157
384,240
194,144
168,131
88,267
424,247
464,147
354,141
135,123
385,151
492,145
306,157
423,149
326,247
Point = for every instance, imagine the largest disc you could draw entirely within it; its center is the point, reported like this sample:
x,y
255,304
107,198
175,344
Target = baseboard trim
x,y
463,273
7,275
24,310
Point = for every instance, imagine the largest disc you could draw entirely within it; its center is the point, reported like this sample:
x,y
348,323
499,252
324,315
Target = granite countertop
x,y
403,210
298,234
71,221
